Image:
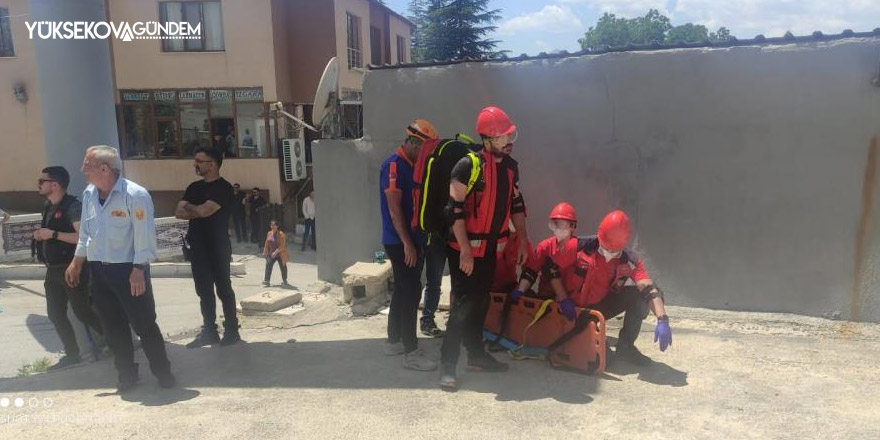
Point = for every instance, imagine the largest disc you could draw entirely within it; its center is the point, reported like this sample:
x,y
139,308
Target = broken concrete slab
x,y
366,280
270,301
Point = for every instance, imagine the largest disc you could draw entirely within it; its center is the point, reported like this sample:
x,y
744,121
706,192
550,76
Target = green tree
x,y
615,31
418,14
458,29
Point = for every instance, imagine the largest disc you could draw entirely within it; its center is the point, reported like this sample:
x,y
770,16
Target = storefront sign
x,y
249,95
221,95
163,96
135,96
192,96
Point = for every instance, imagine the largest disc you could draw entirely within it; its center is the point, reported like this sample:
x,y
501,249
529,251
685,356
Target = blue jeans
x,y
435,260
309,227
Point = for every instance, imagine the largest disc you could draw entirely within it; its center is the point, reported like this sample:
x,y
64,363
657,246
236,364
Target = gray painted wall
x,y
75,78
745,169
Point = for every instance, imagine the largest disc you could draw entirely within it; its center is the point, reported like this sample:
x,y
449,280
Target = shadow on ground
x,y
343,364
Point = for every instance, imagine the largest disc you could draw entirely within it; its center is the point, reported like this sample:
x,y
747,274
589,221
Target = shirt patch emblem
x,y
57,215
139,214
119,213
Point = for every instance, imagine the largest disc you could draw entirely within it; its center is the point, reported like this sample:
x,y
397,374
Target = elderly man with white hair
x,y
118,238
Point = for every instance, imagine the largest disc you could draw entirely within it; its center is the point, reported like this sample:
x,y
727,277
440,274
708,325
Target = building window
x,y
6,49
401,49
173,123
208,14
353,24
375,46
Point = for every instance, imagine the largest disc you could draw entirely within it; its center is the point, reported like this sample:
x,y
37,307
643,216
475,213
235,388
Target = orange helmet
x,y
493,122
421,129
563,211
614,231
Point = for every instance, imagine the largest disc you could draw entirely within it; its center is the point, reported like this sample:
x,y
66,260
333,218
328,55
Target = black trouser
x,y
627,300
255,227
270,262
470,295
309,227
121,312
404,311
58,294
435,260
210,267
240,226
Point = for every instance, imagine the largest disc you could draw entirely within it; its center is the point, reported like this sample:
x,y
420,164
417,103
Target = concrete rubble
x,y
367,287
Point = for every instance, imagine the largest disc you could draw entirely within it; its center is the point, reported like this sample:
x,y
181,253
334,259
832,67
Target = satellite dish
x,y
327,86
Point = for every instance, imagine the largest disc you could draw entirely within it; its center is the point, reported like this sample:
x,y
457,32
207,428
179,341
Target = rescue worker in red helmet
x,y
553,260
479,222
606,264
404,246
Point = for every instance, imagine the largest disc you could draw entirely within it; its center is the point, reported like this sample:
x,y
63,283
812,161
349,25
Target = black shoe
x,y
448,379
486,363
128,381
429,328
205,337
230,337
167,380
65,361
632,355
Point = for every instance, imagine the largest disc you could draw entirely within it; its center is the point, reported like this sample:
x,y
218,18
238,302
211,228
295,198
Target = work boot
x,y
207,336
66,361
632,355
486,363
419,361
265,284
127,380
448,380
230,336
429,328
166,380
393,348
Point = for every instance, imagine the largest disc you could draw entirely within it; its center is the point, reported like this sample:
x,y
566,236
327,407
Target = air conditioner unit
x,y
294,157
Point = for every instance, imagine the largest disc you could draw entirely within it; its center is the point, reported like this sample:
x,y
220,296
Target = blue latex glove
x,y
663,334
515,295
568,309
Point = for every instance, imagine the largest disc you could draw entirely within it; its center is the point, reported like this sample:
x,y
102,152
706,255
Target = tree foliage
x,y
453,28
615,31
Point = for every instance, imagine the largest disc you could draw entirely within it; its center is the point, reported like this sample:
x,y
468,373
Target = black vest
x,y
56,252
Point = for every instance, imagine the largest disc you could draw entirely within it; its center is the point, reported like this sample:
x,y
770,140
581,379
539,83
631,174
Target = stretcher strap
x,y
542,311
580,324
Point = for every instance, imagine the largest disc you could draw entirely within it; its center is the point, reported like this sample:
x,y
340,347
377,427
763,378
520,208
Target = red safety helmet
x,y
492,122
421,129
563,211
614,231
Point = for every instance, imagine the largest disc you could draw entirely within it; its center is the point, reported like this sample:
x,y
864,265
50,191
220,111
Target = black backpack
x,y
432,174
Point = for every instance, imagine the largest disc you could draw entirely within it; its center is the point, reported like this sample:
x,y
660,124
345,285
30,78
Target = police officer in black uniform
x,y
56,243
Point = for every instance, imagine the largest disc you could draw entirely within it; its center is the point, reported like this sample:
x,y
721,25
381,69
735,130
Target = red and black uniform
x,y
552,260
602,287
487,209
506,276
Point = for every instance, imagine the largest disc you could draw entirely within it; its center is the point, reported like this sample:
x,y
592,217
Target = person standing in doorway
x,y
254,202
207,204
238,220
57,238
118,236
309,213
275,251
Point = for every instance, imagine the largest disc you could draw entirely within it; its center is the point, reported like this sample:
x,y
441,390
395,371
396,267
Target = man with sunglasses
x,y
403,245
56,244
480,229
207,204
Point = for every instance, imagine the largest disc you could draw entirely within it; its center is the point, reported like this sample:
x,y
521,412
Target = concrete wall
x,y
21,124
313,38
247,61
75,79
749,171
175,175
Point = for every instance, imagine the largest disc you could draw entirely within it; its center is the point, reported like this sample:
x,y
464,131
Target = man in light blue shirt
x,y
118,238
